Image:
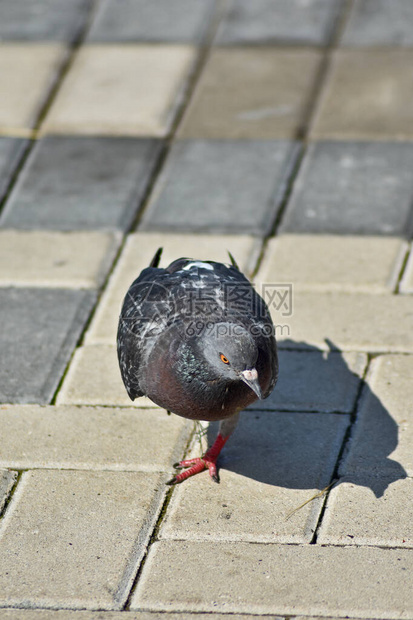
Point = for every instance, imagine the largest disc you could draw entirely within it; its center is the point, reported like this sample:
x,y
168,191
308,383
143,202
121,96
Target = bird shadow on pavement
x,y
308,449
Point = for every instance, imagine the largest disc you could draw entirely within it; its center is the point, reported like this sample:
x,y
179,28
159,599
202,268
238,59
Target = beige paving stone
x,y
266,94
354,516
350,322
406,284
27,72
75,538
333,262
314,380
7,480
122,89
367,96
54,259
364,582
272,465
96,438
94,379
383,434
137,254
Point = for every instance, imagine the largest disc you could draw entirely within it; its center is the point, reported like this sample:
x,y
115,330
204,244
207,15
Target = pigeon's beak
x,y
250,377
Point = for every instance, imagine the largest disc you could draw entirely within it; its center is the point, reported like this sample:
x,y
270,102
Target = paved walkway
x,y
281,130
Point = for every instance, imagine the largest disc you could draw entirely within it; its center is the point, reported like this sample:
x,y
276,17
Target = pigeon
x,y
197,339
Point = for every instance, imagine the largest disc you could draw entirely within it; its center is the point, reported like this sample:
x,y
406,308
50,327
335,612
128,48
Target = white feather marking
x,y
199,264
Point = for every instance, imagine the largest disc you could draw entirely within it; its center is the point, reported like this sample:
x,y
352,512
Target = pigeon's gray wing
x,y
146,308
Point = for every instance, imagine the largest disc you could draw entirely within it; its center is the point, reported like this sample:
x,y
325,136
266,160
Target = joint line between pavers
x,y
347,436
157,526
72,53
321,81
35,133
180,108
284,193
403,266
82,308
11,493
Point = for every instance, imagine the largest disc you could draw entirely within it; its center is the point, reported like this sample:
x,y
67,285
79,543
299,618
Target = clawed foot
x,y
194,467
208,461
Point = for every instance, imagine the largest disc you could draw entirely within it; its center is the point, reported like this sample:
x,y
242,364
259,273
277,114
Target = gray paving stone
x,y
379,22
285,21
272,464
75,539
383,434
313,380
76,183
354,516
11,150
7,480
364,582
221,186
96,438
166,21
40,328
42,20
347,188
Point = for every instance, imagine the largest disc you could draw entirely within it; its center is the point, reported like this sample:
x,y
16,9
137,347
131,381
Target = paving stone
x,y
406,284
276,579
286,21
66,614
75,183
52,259
40,328
367,96
379,22
27,73
137,254
276,462
266,94
346,188
94,379
354,516
11,150
348,322
383,434
42,20
165,21
7,480
75,538
221,186
96,438
313,380
121,90
333,262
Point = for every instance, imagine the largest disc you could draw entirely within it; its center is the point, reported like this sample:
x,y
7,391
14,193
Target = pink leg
x,y
207,461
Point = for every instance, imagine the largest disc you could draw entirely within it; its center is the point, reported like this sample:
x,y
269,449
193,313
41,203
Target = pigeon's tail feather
x,y
155,261
233,261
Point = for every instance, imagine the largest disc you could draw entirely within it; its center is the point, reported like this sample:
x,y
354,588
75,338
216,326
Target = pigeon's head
x,y
231,351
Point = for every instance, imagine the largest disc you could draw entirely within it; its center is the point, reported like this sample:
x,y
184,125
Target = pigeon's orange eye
x,y
224,359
